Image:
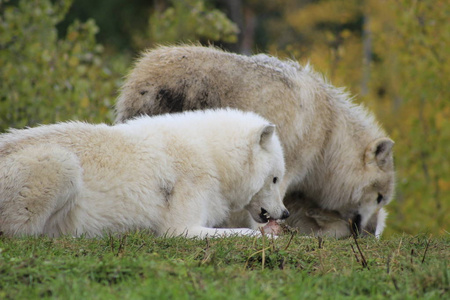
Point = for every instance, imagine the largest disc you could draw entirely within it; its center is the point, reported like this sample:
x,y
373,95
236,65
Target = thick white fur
x,y
336,154
173,174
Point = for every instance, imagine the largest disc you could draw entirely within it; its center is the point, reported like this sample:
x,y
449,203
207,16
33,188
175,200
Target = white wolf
x,y
173,174
337,156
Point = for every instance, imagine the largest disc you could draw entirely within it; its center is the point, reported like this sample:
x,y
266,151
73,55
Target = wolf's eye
x,y
379,198
275,179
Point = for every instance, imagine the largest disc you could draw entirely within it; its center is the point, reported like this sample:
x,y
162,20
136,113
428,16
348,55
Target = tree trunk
x,y
244,17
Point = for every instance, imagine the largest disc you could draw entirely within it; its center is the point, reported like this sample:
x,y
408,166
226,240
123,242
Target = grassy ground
x,y
141,266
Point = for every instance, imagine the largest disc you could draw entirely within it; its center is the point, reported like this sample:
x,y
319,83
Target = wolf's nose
x,y
285,214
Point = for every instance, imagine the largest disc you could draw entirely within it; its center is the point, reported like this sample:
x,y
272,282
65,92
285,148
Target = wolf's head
x,y
267,164
310,219
376,187
357,182
372,187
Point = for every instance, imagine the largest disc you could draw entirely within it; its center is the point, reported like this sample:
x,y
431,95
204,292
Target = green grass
x,y
141,266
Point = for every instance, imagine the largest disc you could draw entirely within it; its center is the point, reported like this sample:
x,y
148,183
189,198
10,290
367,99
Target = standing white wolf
x,y
338,159
173,174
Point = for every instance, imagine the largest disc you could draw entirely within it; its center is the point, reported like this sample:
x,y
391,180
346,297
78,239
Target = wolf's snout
x,y
265,216
285,214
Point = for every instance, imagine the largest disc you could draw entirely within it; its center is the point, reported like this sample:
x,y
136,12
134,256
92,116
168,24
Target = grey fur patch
x,y
172,100
167,192
131,112
203,98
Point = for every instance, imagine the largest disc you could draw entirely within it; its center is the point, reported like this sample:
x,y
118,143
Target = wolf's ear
x,y
379,151
265,135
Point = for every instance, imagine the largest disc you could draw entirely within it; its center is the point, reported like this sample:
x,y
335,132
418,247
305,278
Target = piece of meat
x,y
272,227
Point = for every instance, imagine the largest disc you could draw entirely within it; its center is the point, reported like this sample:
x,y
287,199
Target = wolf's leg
x,y
239,219
35,184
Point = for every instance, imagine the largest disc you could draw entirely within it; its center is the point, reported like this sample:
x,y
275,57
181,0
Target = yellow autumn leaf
x,y
446,111
444,185
84,103
346,33
439,120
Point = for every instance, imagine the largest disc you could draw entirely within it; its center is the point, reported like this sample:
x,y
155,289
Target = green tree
x,y
119,21
190,21
45,79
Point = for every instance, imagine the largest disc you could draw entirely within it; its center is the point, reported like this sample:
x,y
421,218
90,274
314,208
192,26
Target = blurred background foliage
x,y
66,59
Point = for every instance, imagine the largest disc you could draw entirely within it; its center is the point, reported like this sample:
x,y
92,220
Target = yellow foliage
x,y
339,11
444,185
439,120
84,103
407,81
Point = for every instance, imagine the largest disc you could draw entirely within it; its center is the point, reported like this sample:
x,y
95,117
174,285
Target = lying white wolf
x,y
173,174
